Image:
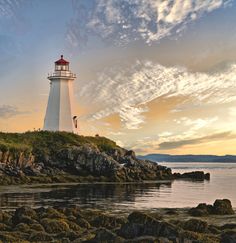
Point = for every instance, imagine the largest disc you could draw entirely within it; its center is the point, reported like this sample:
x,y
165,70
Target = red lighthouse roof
x,y
62,61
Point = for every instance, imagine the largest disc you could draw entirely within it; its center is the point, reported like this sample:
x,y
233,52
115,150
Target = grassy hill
x,y
43,156
44,141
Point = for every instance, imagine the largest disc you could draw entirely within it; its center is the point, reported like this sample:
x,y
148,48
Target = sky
x,y
156,76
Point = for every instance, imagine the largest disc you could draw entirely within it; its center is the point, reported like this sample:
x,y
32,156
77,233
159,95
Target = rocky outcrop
x,y
195,175
220,207
140,224
62,225
47,157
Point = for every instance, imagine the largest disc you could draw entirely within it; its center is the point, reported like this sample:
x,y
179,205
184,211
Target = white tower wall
x,y
60,108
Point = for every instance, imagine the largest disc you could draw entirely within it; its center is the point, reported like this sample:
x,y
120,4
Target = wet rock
x,y
140,224
33,170
83,223
106,236
1,215
201,210
40,237
195,175
22,227
55,225
148,239
74,226
109,222
24,215
193,237
137,227
72,210
228,237
65,240
70,234
4,227
8,237
37,227
228,226
214,230
196,225
223,207
220,207
171,212
47,157
5,218
52,213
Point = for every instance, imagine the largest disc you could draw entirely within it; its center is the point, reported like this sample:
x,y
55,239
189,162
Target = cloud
x,y
181,143
8,111
9,8
127,90
120,22
193,125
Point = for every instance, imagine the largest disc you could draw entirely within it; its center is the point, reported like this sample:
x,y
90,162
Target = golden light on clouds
x,y
164,77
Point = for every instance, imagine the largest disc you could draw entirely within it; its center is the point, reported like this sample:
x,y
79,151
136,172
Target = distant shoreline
x,y
189,158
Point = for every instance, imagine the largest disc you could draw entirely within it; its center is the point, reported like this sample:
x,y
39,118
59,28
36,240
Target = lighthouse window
x,y
58,67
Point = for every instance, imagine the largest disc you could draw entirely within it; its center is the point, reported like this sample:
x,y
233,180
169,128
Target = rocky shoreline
x,y
54,157
74,224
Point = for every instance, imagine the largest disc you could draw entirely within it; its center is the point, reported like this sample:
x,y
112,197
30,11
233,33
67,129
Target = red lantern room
x,y
61,65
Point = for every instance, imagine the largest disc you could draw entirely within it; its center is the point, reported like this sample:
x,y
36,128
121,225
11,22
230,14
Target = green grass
x,y
43,142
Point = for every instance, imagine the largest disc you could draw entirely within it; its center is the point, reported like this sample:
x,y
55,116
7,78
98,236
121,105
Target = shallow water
x,y
129,196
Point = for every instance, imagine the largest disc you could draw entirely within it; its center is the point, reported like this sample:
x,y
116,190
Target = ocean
x,y
130,196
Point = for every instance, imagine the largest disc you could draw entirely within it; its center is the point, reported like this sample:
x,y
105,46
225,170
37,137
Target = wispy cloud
x,y
8,111
193,125
123,21
8,8
181,143
127,90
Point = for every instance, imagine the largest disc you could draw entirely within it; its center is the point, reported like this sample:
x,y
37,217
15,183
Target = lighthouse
x,y
60,114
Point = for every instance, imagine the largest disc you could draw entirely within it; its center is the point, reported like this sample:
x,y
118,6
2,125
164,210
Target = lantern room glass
x,y
61,67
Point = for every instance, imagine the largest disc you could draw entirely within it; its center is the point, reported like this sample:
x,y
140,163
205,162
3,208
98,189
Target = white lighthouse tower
x,y
60,114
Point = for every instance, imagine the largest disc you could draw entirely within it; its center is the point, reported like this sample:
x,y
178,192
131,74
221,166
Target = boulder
x,y
37,227
195,225
109,222
228,226
141,224
24,215
55,225
106,236
228,237
202,210
83,223
22,227
40,237
195,175
222,207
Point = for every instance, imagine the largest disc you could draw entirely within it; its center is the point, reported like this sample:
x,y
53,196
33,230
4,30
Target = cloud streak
x,y
127,90
8,111
181,143
120,22
9,8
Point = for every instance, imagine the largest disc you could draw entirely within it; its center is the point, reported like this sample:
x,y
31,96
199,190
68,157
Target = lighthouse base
x,y
59,114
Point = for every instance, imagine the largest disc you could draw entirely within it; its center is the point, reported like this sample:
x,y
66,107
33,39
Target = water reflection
x,y
131,196
85,195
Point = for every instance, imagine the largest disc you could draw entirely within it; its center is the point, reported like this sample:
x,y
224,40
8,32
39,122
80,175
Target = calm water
x,y
131,196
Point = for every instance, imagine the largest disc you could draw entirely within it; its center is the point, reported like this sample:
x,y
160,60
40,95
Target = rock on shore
x,y
73,224
47,157
220,207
